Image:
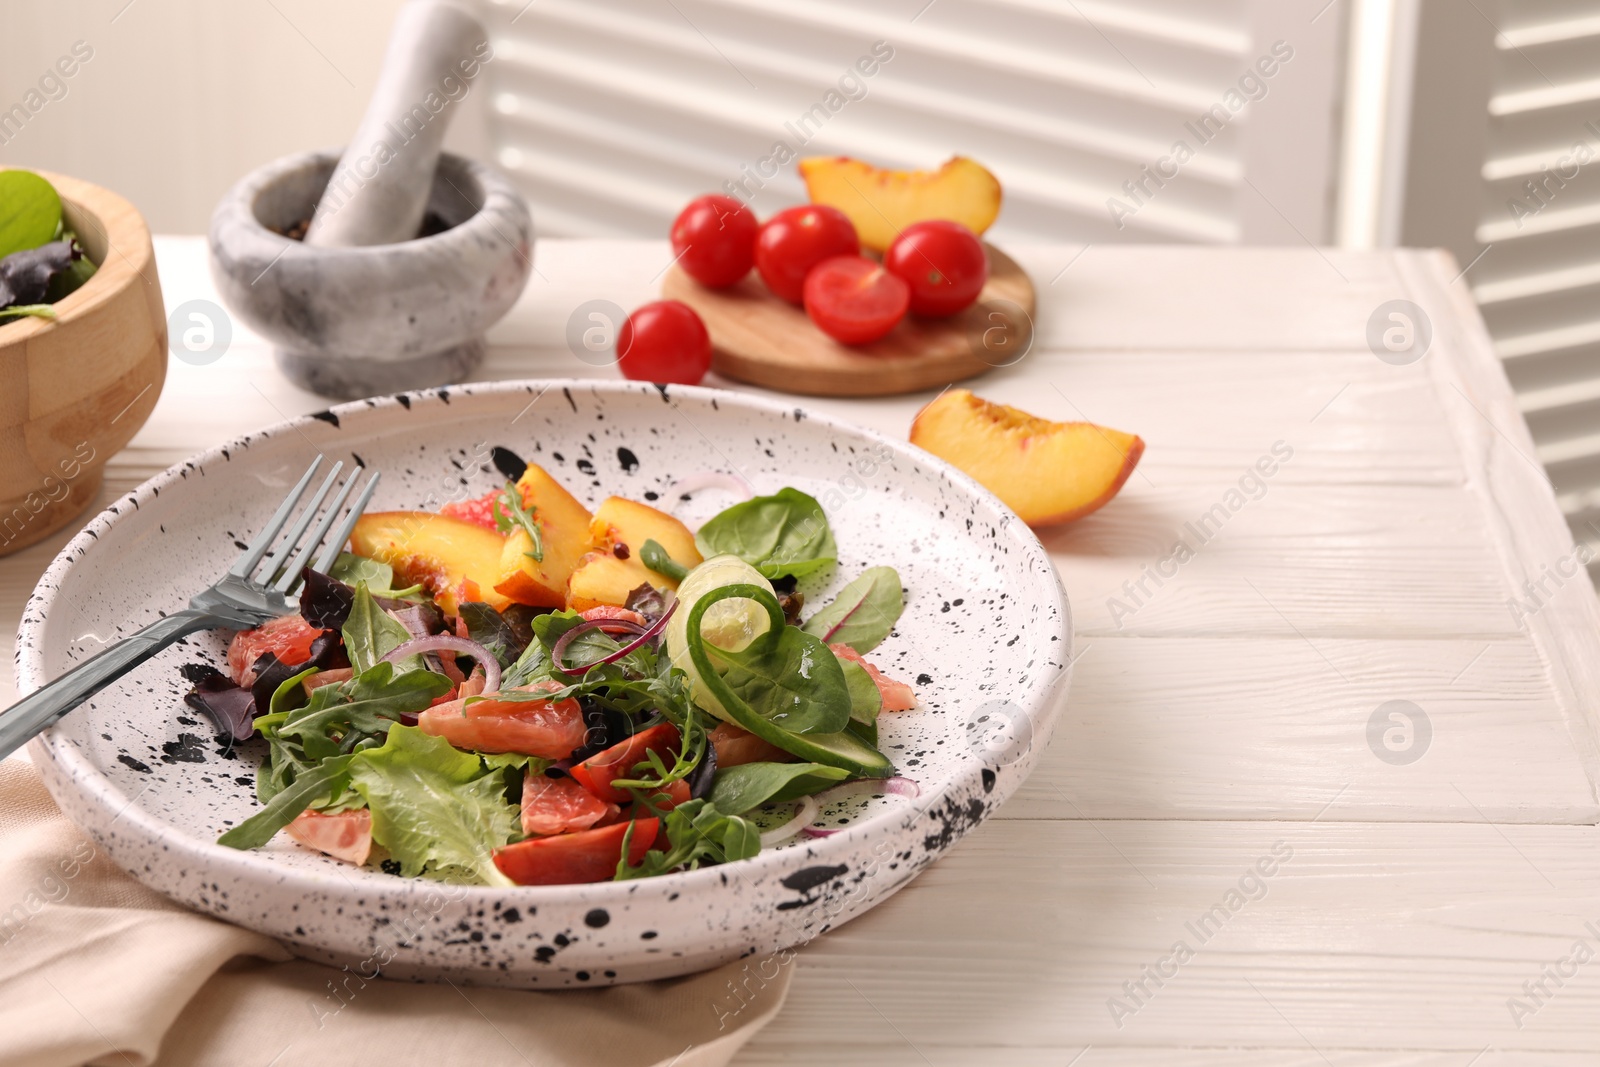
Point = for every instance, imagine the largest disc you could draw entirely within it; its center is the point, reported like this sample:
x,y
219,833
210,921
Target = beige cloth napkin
x,y
95,968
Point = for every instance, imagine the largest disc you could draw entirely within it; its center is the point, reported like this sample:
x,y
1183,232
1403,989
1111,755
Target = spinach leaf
x,y
863,613
783,534
866,700
434,807
696,834
749,785
370,633
840,749
791,679
652,555
30,211
80,270
352,570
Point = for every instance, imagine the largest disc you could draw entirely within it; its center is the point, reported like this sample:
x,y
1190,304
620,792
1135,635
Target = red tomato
x,y
289,638
531,727
664,342
566,859
854,300
944,264
736,745
797,239
601,769
714,240
344,835
897,696
559,806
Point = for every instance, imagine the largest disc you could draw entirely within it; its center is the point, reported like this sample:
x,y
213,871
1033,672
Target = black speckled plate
x,y
985,637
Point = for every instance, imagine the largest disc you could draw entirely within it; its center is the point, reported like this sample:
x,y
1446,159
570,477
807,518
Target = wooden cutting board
x,y
760,339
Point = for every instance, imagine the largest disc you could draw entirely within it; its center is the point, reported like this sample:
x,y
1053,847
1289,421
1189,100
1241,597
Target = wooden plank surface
x,y
1385,560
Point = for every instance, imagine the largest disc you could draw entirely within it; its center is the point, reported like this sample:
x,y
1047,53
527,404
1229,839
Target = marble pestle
x,y
379,192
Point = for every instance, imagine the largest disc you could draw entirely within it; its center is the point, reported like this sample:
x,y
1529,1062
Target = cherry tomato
x,y
797,239
943,262
714,240
664,342
566,859
601,769
854,300
289,638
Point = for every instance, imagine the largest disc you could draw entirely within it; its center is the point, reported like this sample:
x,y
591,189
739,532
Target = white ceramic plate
x,y
985,639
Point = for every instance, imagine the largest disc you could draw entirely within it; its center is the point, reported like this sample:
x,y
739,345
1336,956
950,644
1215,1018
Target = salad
x,y
514,691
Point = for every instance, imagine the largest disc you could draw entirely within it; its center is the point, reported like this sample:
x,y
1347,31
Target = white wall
x,y
182,97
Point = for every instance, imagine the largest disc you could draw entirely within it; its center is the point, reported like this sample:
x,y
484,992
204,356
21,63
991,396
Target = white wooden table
x,y
1219,721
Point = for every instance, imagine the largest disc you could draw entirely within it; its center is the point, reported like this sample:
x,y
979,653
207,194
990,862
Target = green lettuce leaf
x,y
434,808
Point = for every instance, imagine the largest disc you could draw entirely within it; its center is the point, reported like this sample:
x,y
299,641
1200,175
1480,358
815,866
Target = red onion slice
x,y
804,815
450,643
641,634
894,787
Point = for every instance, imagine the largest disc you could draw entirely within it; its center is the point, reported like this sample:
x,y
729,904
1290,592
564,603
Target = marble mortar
x,y
356,322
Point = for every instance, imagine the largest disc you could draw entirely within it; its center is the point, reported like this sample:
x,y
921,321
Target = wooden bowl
x,y
75,389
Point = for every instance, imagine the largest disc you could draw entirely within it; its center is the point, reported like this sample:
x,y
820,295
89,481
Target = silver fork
x,y
248,595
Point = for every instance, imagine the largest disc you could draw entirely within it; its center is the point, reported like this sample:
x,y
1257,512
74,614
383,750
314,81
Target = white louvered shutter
x,y
1538,281
613,113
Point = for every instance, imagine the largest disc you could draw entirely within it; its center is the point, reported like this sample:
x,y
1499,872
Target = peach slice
x,y
613,569
882,202
1047,472
453,559
564,528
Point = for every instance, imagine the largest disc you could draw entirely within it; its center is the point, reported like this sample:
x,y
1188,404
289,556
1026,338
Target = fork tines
x,y
308,532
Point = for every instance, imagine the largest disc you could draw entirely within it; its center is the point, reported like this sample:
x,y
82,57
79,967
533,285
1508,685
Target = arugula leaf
x,y
863,613
697,834
370,633
322,780
30,211
749,785
652,555
366,705
791,679
510,514
842,749
434,808
783,534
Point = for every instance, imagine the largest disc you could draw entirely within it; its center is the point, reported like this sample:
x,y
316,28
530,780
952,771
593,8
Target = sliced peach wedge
x,y
453,559
1047,472
613,568
883,202
564,531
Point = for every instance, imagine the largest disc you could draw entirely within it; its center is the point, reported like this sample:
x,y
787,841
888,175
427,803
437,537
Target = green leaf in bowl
x,y
30,211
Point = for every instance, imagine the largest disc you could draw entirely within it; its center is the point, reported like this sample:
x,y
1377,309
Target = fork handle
x,y
40,709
